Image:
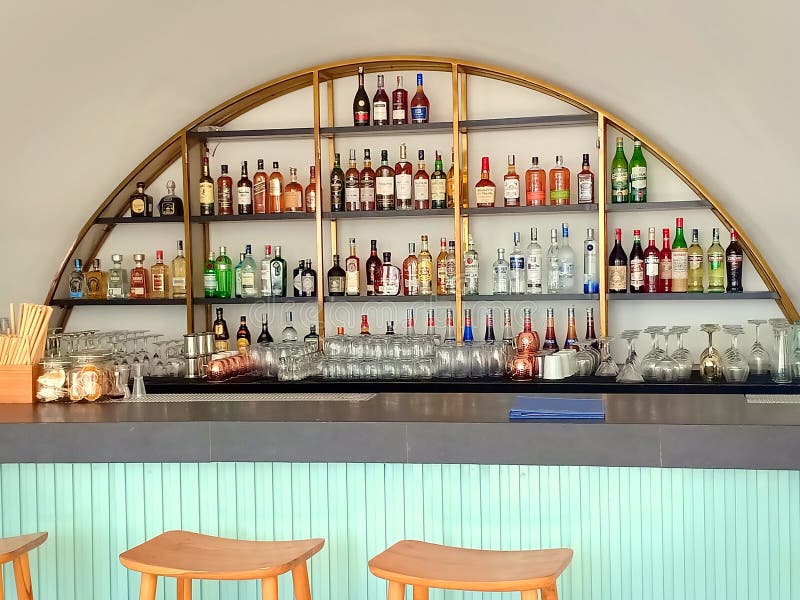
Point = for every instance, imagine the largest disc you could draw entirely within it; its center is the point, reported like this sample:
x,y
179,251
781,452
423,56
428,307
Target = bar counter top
x,y
650,430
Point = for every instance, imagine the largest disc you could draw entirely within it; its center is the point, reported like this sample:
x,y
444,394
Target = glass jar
x,y
51,385
91,376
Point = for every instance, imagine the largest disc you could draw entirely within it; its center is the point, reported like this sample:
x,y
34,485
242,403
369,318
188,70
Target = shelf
x,y
668,205
351,130
65,302
284,216
529,297
382,214
687,297
352,299
528,210
519,122
258,300
253,134
136,221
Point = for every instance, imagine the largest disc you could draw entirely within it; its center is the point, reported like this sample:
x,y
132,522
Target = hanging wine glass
x,y
681,355
667,368
735,367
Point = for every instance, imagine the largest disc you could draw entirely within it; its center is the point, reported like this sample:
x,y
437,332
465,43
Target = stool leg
x,y
420,593
397,591
147,589
22,574
302,589
530,595
2,590
184,589
269,588
550,592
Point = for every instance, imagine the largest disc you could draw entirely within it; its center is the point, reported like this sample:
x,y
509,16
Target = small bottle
x,y
265,337
206,190
450,330
244,193
695,260
553,264
410,273
361,102
516,268
450,269
96,282
534,263
277,274
410,328
399,104
242,335
364,325
431,329
485,188
275,190
488,330
210,276
159,277
636,264
311,190
591,278
403,181
311,339
380,105
237,277
550,341
249,289
384,184
438,184
559,183
680,259
468,336
390,278
178,282
508,332
170,205
585,183
511,184
535,184
141,203
619,175
566,263
352,199
571,341
352,269
373,268
618,266
221,335
140,278
471,270
441,268
665,263
223,270
117,279
224,192
293,193
500,273
289,333
638,174
425,268
716,264
266,283
590,333
734,256
260,179
336,278
651,257
77,281
422,184
420,107
308,281
527,341
366,183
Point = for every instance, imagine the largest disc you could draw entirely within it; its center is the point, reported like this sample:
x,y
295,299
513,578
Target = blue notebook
x,y
539,408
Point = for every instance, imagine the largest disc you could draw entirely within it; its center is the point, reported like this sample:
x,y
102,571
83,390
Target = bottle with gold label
x,y
96,282
425,268
159,277
141,203
178,282
220,333
206,190
242,335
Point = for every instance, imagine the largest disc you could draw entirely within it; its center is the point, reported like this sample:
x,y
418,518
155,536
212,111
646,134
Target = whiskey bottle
x,y
96,283
210,276
242,335
366,183
585,183
410,272
293,193
352,268
390,278
399,104
535,184
244,193
695,261
248,274
265,337
511,184
311,191
361,102
178,282
441,268
206,190
425,268
260,179
159,277
266,282
170,205
337,186
716,264
373,268
500,273
402,181
559,183
516,268
221,335
275,190
352,200
618,266
422,184
638,175
384,184
420,107
117,279
734,256
336,278
380,105
534,264
141,203
450,269
223,271
438,184
140,284
471,270
224,192
485,188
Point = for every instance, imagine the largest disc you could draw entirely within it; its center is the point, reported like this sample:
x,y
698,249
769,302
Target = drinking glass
x,y
139,392
461,363
781,365
759,359
607,366
648,367
735,367
710,360
496,359
667,368
630,372
587,358
445,354
796,351
477,360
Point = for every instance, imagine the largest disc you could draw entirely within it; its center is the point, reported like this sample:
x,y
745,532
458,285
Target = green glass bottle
x,y
638,170
695,263
223,269
619,175
680,259
716,265
210,277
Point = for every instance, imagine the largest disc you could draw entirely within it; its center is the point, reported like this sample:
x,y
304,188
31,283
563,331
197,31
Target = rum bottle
x,y
680,259
293,193
275,190
695,264
260,179
206,190
311,190
117,279
485,188
224,192
210,276
221,335
651,258
571,341
410,274
500,273
422,184
450,269
373,268
425,268
95,282
249,289
585,183
380,105
734,256
141,203
550,341
559,183
420,107
511,184
488,329
384,184
441,268
389,283
665,263
140,278
591,278
399,104
638,171
402,181
534,264
352,269
266,283
244,193
366,183
438,184
336,278
361,102
617,266
223,271
535,184
352,200
471,270
527,341
170,205
516,268
178,282
277,274
242,335
637,264
716,264
308,281
265,337
619,175
449,330
469,336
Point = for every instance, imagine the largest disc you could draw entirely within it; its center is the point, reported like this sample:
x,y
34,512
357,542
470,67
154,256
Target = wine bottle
x,y
638,174
619,175
680,259
361,102
637,264
734,256
617,266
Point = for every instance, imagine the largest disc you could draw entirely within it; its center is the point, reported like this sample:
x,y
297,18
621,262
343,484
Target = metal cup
x,y
191,345
195,367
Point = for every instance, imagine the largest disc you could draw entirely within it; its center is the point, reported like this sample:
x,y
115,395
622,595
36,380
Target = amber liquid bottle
x,y
403,177
293,193
410,275
535,184
400,104
511,184
352,268
373,268
420,107
585,183
352,200
244,193
366,183
422,184
380,105
311,190
275,190
441,268
384,184
242,335
260,179
485,188
559,183
550,341
224,192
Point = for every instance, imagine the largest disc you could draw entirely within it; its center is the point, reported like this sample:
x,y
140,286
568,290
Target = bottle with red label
x,y
361,102
734,256
651,263
665,263
637,264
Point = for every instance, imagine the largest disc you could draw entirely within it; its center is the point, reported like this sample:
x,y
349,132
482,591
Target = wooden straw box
x,y
18,384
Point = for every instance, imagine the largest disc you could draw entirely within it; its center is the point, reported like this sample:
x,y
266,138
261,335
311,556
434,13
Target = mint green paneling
x,y
637,533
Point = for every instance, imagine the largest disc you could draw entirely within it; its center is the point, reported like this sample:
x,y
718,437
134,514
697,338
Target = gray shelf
x,y
136,220
411,128
528,210
687,297
382,214
668,205
522,122
66,302
284,216
530,297
401,298
253,134
259,300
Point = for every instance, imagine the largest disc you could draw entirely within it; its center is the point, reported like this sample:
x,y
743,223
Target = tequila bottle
x,y
178,282
96,283
170,205
140,279
77,281
159,277
117,279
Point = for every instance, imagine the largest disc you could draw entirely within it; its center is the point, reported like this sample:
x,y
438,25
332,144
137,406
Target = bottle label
x,y
224,199
585,189
178,283
335,285
511,189
297,281
637,273
617,278
695,262
158,282
220,345
399,114
439,191
471,274
665,269
368,198
242,344
516,263
651,266
450,280
275,186
307,281
559,196
411,283
534,195
500,279
361,117
441,274
484,195
137,206
419,114
715,261
425,275
244,197
403,186
680,269
260,195
248,281
619,184
421,190
638,178
384,186
534,274
380,111
351,197
293,199
206,193
210,282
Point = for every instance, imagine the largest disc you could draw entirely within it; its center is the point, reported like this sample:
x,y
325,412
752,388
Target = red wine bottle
x,y
617,266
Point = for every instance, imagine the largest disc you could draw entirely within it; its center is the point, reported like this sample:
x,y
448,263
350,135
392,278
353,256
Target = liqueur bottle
x,y
352,198
265,337
223,271
206,190
224,192
535,184
438,184
636,265
402,181
96,282
716,264
468,336
508,335
566,263
734,256
450,269
141,203
170,205
449,330
590,334
311,190
585,183
619,175
425,268
410,327
311,339
389,328
117,279
527,341
500,273
221,335
571,341
384,184
534,263
242,335
550,341
380,105
559,183
337,186
516,268
289,333
591,278
210,276
361,102
399,104
249,287
336,278
422,184
485,188
651,258
680,259
410,272
364,325
420,107
665,263
260,179
553,264
471,270
638,171
695,259
244,193
431,329
159,277
293,193
275,190
366,183
511,184
308,281
352,268
441,268
617,266
140,278
277,274
390,278
373,268
488,329
266,281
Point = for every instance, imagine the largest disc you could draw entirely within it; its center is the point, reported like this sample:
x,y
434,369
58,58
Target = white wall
x,y
90,88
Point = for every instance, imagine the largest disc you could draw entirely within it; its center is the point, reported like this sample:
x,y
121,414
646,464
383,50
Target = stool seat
x,y
427,565
198,556
12,547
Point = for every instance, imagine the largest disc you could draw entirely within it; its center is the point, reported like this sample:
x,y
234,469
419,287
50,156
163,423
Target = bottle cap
x,y
421,155
340,331
248,249
511,159
224,169
586,158
564,230
260,163
637,233
384,155
275,164
223,250
79,264
336,258
243,319
535,161
679,222
484,163
116,258
665,231
387,257
419,78
180,245
352,241
734,235
140,184
159,255
618,233
267,249
138,257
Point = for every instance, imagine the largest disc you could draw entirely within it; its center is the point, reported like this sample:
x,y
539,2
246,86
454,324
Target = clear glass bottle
x,y
311,190
390,277
277,274
591,277
450,269
140,278
117,279
534,264
695,260
516,268
566,259
237,277
77,281
471,270
553,264
289,333
441,268
410,327
248,274
178,282
716,264
508,331
266,281
96,282
450,330
431,329
500,273
223,270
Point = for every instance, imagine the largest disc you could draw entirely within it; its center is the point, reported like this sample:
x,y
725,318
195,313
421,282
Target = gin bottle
x,y
500,273
516,271
266,284
248,274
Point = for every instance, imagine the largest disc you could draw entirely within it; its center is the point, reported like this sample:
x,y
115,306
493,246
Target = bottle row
x,y
379,113
141,203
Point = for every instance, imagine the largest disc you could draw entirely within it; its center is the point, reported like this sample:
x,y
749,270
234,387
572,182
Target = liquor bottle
x,y
591,277
734,256
244,193
471,270
636,264
449,330
352,200
266,280
485,188
311,190
716,264
665,263
170,205
425,268
308,281
249,289
559,183
550,341
265,337
384,184
500,273
364,325
553,264
399,104
206,190
260,179
488,329
511,184
508,332
289,333
535,184
223,268
96,283
336,278
140,278
638,171
117,279
468,336
297,282
695,264
275,202
237,277
373,268
590,335
221,335
422,184
571,341
337,185
585,183
619,175
178,283
566,263
293,193
389,328
277,274
451,181
210,276
431,329
534,259
516,268
450,268
311,339
441,268
420,107
680,259
410,273
340,331
438,184
352,269
242,335
361,102
366,183
141,203
410,327
617,266
389,283
224,192
527,342
159,277
402,181
380,105
651,258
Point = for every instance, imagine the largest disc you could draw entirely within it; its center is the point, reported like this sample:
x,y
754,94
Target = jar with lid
x,y
51,385
91,376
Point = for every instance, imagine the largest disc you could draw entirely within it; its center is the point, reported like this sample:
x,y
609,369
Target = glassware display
x,y
781,365
667,368
648,366
734,366
681,355
796,351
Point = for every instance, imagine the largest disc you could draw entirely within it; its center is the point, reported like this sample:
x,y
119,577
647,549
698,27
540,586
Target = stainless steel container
x,y
206,343
195,367
191,345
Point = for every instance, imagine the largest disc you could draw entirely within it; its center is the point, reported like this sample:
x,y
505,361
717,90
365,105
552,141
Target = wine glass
x,y
159,369
710,360
630,372
734,368
607,366
587,358
650,359
667,368
759,359
682,356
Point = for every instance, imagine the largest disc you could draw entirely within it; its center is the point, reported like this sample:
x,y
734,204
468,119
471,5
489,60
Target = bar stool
x,y
423,565
186,556
16,549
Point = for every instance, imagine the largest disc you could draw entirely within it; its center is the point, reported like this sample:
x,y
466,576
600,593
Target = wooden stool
x,y
424,566
187,556
16,549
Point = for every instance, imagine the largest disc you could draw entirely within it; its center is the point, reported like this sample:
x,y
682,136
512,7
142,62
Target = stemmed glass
x,y
630,372
710,360
667,368
734,368
607,366
159,369
587,358
759,360
656,353
682,356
